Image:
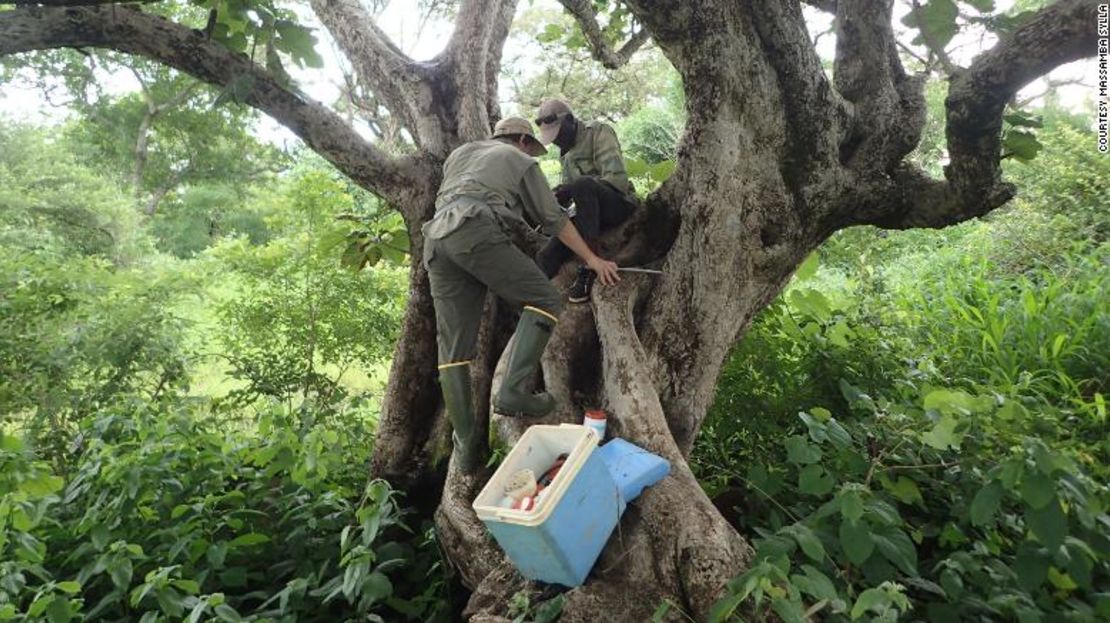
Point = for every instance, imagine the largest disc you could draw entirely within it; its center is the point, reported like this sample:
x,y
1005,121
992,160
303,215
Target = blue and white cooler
x,y
559,541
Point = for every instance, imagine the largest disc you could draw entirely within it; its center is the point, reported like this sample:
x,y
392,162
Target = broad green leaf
x,y
41,485
1037,490
896,547
808,541
983,6
1031,566
1061,580
808,268
856,541
839,334
943,435
1021,145
985,503
1048,524
815,584
69,587
661,171
869,599
789,610
951,401
851,504
60,611
801,452
251,538
814,480
937,22
549,610
905,489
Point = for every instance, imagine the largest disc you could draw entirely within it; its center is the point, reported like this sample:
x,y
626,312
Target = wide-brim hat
x,y
550,117
512,126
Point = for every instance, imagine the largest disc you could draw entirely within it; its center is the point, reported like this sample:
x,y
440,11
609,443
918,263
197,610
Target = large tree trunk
x,y
776,157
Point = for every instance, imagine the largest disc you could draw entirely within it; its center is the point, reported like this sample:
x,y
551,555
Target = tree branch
x,y
1058,34
889,106
583,13
828,6
133,32
480,32
377,61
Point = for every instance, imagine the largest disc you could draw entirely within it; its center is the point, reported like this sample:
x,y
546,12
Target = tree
x,y
776,156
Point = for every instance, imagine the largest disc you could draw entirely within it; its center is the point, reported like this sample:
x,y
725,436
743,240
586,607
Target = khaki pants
x,y
465,264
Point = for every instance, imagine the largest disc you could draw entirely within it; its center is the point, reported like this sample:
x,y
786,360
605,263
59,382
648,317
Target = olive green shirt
x,y
493,176
596,153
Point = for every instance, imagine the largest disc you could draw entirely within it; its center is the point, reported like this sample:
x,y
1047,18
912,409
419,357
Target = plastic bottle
x,y
595,420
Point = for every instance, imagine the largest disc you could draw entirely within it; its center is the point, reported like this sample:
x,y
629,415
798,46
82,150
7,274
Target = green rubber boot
x,y
515,396
454,380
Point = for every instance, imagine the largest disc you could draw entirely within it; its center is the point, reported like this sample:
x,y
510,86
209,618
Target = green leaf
x,y
985,503
635,167
41,485
983,6
7,612
60,611
1037,490
813,480
936,21
789,610
1031,567
376,587
851,504
896,547
951,401
943,435
662,170
251,538
228,614
905,489
1060,580
298,42
808,268
1023,119
1021,145
549,610
1048,524
856,541
815,584
869,599
801,452
69,587
839,334
808,541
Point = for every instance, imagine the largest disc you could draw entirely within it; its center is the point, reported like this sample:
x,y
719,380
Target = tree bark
x,y
776,157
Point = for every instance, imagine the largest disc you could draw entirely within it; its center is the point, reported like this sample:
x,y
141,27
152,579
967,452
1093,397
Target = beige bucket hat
x,y
511,126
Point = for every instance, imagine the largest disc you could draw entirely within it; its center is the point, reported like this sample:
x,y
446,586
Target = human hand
x,y
605,270
563,195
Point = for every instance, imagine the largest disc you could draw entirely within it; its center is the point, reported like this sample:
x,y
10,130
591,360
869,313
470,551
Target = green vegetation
x,y
191,363
917,429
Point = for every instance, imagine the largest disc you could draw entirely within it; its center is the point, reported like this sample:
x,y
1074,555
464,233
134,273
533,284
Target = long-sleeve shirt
x,y
492,175
597,153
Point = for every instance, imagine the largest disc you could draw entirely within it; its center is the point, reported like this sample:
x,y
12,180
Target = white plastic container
x,y
559,541
595,420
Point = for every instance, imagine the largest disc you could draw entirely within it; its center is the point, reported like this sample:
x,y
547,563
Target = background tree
x,y
776,156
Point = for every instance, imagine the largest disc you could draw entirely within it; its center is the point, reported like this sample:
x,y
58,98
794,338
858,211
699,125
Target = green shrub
x,y
171,515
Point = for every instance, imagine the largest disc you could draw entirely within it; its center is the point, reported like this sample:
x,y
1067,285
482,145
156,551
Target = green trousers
x,y
465,264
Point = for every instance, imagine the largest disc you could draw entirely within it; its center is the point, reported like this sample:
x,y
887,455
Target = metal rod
x,y
649,271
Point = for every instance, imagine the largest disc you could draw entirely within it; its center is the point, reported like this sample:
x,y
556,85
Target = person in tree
x,y
594,179
488,184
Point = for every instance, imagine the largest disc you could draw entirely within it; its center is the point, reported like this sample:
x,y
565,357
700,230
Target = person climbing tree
x,y
594,178
468,250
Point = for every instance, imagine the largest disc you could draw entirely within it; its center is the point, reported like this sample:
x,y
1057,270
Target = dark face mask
x,y
568,132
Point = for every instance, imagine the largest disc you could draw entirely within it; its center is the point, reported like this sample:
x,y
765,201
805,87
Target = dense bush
x,y
917,431
168,515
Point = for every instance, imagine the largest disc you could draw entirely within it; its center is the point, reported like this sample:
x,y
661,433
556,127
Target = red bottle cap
x,y
595,414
